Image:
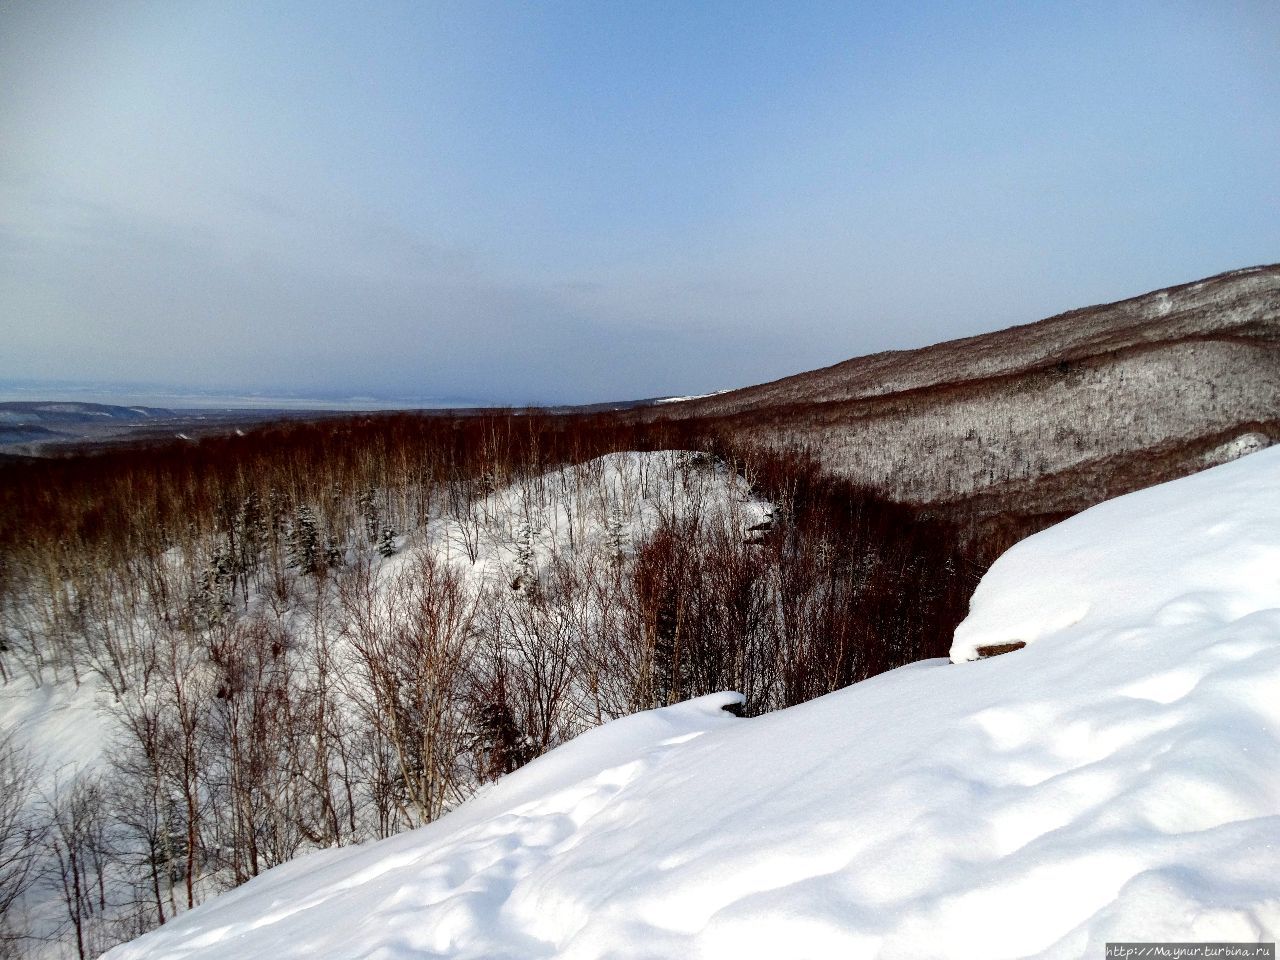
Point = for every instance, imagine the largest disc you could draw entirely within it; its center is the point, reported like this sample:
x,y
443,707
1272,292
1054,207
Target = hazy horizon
x,y
571,203
175,397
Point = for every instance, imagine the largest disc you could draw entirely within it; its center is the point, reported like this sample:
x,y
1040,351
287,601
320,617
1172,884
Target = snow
x,y
63,729
72,408
1116,779
1236,448
1199,549
693,396
60,725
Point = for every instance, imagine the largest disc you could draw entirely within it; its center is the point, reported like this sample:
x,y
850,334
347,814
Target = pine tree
x,y
501,745
526,576
304,541
211,601
615,531
387,542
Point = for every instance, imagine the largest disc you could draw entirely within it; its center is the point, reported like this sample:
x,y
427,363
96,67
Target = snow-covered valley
x,y
639,481
1116,778
244,690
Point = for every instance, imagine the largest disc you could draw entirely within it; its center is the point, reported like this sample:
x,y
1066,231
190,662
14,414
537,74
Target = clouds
x,y
570,204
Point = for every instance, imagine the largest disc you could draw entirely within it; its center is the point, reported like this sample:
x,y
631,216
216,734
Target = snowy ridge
x,y
1130,380
1117,779
577,510
695,396
1230,302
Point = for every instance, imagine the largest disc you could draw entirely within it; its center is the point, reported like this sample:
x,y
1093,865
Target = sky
x,y
579,202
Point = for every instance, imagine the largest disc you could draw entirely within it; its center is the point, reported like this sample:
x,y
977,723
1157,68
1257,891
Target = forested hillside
x,y
1080,397
220,655
1116,777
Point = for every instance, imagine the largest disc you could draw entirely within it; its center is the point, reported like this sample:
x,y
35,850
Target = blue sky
x,y
563,202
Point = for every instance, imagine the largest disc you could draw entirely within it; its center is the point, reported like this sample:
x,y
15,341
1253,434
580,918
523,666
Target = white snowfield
x,y
1116,779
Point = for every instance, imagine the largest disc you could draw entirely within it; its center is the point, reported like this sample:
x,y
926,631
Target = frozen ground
x,y
1116,779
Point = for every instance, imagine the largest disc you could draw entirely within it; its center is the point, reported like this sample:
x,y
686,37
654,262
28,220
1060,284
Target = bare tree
x,y
76,841
413,641
21,836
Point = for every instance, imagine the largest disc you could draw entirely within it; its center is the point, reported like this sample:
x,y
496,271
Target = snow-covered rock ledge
x,y
1202,549
1117,779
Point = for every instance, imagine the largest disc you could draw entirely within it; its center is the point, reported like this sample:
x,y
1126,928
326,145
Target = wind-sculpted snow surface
x,y
1116,779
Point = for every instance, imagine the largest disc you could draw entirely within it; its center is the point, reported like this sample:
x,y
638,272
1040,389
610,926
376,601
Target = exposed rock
x,y
995,649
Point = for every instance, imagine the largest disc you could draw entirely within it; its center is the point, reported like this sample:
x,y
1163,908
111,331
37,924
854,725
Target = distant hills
x,y
70,412
1048,417
33,421
59,427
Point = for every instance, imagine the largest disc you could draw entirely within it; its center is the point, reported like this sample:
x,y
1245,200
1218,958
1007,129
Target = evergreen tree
x,y
501,745
615,531
387,542
526,576
304,541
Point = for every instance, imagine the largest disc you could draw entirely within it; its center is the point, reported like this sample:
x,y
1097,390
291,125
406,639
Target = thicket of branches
x,y
319,634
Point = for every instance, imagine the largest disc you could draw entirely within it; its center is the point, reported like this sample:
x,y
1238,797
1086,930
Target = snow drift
x,y
1116,779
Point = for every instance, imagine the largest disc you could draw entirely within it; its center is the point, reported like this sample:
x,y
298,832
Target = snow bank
x,y
1117,779
1207,546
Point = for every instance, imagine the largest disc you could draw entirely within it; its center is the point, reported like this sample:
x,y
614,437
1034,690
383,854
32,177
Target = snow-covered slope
x,y
70,710
1240,303
1149,377
1116,779
1200,550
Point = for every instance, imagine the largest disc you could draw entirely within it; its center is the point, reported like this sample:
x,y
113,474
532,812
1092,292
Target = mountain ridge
x,y
1136,378
1266,275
